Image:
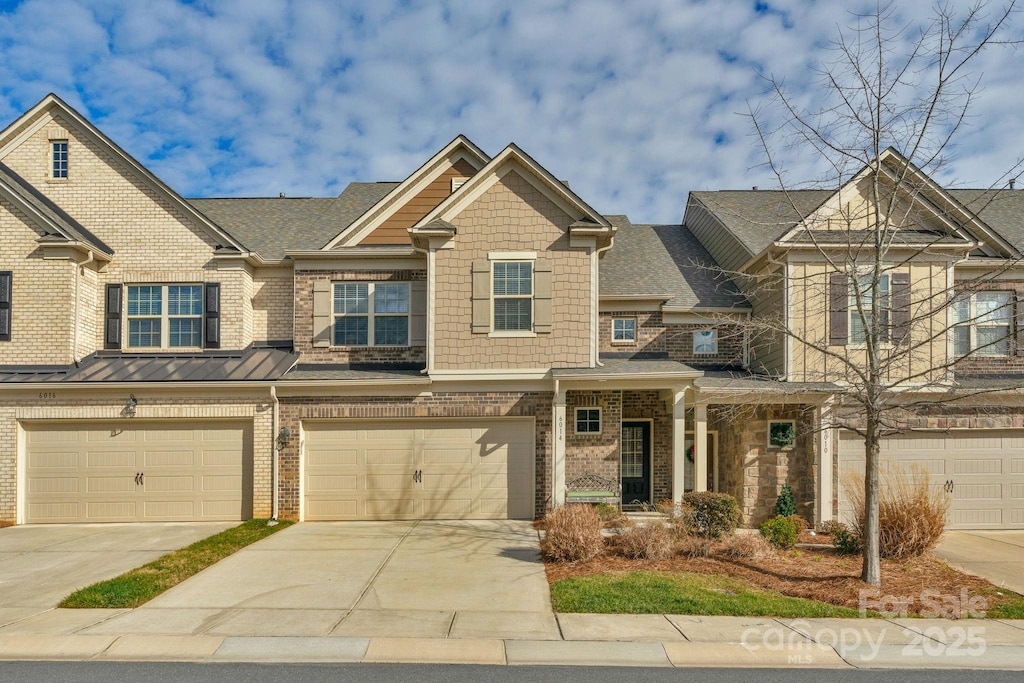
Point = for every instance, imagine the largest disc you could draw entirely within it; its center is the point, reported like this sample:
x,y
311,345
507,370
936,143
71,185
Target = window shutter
x,y
6,280
112,322
839,300
542,296
900,308
321,313
211,338
418,313
481,296
1019,321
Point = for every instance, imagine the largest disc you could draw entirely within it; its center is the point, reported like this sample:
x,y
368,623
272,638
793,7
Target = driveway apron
x,y
994,555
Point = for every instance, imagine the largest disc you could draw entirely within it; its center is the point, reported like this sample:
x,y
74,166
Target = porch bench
x,y
593,488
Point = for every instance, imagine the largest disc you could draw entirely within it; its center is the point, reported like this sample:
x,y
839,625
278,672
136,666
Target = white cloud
x,y
634,103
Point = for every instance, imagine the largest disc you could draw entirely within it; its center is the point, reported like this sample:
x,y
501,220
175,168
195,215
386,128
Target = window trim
x,y
61,165
714,331
613,330
777,447
165,317
576,421
973,323
851,308
371,314
514,257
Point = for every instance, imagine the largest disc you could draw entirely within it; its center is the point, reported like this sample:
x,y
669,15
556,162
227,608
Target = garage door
x,y
985,469
144,472
469,469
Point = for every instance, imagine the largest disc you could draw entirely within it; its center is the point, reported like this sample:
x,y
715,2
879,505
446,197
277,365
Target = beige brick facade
x,y
512,216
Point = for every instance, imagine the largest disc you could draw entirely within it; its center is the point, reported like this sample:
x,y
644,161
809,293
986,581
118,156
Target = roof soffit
x,y
42,113
461,148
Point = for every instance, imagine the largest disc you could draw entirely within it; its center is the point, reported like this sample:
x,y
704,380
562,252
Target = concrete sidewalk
x,y
509,638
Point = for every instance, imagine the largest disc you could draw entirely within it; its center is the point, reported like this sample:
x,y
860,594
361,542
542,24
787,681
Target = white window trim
x,y
973,324
514,257
576,420
705,353
67,159
164,317
370,314
623,342
772,446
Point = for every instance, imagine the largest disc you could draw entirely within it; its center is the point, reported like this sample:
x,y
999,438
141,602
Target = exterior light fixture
x,y
130,405
284,437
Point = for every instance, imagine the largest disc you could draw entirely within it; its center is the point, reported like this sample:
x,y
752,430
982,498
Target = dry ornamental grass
x,y
572,533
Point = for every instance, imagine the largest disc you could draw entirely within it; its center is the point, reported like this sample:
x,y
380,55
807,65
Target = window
x,y
859,325
623,330
588,420
781,433
512,287
165,316
371,313
705,341
982,324
59,157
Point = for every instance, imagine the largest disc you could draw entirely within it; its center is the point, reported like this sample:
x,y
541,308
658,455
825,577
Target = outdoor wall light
x,y
129,407
284,437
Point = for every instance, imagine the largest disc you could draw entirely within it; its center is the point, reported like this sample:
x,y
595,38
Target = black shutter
x,y
6,280
839,302
112,326
900,308
211,313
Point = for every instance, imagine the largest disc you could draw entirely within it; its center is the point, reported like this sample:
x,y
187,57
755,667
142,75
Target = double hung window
x,y
512,288
371,313
165,316
981,324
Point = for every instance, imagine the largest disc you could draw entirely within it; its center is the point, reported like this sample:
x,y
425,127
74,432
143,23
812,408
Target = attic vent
x,y
56,133
458,182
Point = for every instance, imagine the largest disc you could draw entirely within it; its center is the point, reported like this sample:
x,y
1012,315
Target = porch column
x,y
700,442
823,460
678,444
558,449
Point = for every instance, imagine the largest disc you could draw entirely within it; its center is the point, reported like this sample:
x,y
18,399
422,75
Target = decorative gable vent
x,y
56,133
458,182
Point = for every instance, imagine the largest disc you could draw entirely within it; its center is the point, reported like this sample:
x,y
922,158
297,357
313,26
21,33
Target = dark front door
x,y
635,448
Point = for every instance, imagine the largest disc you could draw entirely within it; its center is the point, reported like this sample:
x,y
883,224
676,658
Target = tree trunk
x,y
871,573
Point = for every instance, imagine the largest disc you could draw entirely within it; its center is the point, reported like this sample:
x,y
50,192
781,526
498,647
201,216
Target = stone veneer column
x,y
700,442
558,451
679,444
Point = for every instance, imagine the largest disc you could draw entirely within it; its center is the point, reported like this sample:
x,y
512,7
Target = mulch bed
x,y
814,572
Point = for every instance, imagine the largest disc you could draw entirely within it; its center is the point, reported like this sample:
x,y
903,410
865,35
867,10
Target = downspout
x,y
274,448
595,333
79,271
430,308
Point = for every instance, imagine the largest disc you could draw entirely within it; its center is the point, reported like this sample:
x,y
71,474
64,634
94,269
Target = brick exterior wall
x,y
347,354
654,336
273,299
753,473
72,405
512,216
537,405
642,405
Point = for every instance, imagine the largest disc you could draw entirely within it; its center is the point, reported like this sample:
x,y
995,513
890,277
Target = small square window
x,y
623,330
588,420
705,341
59,157
781,433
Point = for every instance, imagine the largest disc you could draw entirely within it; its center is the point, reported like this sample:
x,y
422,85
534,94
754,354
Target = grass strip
x,y
144,583
681,593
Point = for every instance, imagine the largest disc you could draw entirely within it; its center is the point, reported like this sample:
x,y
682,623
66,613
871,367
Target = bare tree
x,y
890,104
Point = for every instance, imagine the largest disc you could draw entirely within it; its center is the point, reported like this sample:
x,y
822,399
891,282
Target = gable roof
x,y
47,215
271,226
27,122
386,206
665,261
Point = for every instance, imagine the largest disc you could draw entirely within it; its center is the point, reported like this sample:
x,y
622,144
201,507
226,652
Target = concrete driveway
x,y
41,564
994,555
404,579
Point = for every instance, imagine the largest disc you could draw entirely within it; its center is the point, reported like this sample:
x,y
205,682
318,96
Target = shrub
x,y
609,513
911,516
779,531
784,503
748,547
845,540
800,522
696,546
650,542
572,533
713,514
831,526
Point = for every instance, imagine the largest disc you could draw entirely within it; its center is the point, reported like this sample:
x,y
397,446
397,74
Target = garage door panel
x,y
404,456
1017,491
448,456
978,492
977,518
116,484
978,466
166,510
1017,466
168,458
54,485
163,484
1017,515
331,483
56,460
321,458
392,508
111,458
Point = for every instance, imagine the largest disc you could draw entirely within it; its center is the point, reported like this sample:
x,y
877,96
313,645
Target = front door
x,y
636,463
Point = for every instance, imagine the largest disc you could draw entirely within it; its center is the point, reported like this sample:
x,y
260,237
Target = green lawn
x,y
681,593
141,585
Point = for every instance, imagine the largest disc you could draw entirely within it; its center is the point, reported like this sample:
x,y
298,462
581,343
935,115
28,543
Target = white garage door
x,y
453,469
140,472
984,469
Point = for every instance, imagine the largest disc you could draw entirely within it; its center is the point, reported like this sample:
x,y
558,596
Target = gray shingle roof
x,y
271,225
665,260
69,226
864,237
1002,210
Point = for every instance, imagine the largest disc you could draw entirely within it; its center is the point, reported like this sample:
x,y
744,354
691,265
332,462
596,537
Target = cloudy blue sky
x,y
635,103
